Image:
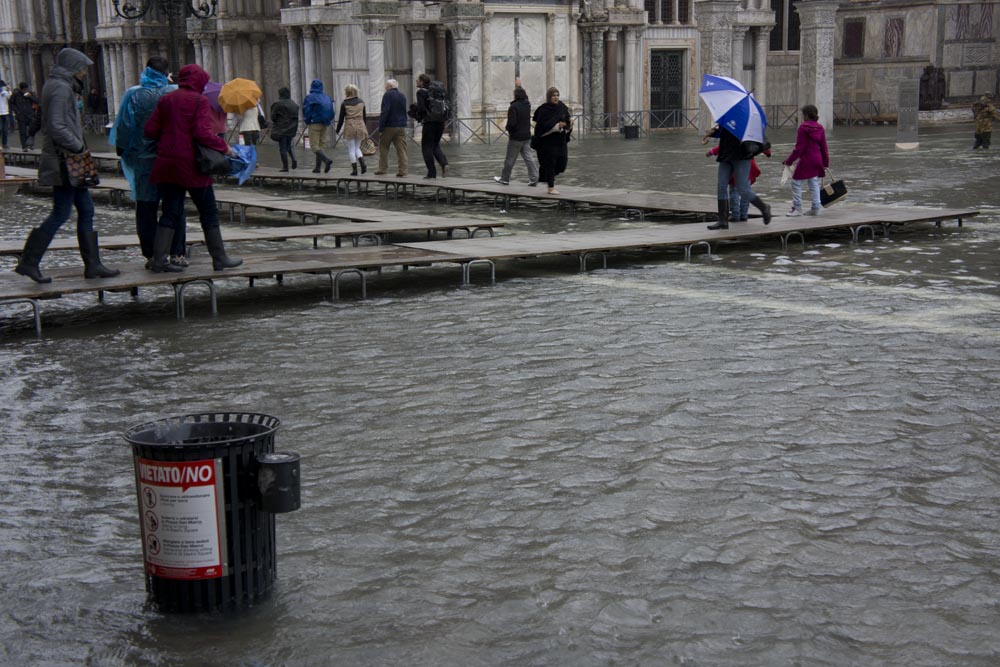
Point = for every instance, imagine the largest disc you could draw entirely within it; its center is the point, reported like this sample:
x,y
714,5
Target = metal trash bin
x,y
631,131
208,544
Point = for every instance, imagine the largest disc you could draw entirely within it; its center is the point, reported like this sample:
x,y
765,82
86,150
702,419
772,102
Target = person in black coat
x,y
284,126
519,138
430,140
735,164
553,126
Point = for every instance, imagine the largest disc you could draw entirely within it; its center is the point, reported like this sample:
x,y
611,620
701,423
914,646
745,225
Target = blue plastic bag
x,y
244,163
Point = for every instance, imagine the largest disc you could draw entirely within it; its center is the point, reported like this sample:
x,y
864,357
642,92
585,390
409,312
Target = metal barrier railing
x,y
95,123
856,113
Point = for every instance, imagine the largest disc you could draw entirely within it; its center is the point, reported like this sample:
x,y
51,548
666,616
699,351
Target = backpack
x,y
438,108
752,149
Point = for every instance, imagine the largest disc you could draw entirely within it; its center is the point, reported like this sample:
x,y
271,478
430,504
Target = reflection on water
x,y
758,458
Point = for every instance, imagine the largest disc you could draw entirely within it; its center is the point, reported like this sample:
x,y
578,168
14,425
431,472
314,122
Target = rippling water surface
x,y
762,457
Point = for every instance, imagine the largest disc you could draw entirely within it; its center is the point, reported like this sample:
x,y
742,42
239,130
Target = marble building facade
x,y
606,56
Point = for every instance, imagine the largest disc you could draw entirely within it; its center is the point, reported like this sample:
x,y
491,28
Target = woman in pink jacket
x,y
813,160
180,119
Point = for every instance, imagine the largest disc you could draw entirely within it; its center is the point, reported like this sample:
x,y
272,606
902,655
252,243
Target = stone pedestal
x,y
818,21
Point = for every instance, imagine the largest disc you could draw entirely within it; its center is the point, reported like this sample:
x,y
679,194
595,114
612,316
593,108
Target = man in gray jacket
x,y
63,135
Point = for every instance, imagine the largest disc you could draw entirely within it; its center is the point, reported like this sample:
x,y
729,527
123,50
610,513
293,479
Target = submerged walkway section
x,y
467,253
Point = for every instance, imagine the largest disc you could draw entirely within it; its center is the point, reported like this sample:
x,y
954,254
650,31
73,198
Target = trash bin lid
x,y
215,428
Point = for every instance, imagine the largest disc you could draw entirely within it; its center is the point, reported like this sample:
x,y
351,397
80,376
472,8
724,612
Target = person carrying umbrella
x,y
180,119
318,113
741,123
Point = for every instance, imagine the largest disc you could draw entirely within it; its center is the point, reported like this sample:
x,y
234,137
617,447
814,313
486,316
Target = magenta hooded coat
x,y
180,119
810,151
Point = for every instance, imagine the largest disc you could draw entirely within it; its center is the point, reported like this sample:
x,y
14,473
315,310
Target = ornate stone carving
x,y
462,30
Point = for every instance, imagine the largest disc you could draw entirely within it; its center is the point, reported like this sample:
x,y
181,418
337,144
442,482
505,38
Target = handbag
x,y
81,169
209,161
368,146
833,192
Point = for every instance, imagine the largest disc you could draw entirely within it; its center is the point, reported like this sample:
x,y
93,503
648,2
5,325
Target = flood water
x,y
761,457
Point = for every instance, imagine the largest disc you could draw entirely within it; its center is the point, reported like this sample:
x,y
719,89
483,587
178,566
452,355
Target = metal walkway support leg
x,y
479,229
179,289
687,249
584,255
467,270
335,282
36,314
788,237
856,232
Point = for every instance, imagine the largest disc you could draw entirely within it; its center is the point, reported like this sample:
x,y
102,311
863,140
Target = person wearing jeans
x,y
519,139
284,126
180,119
63,135
811,159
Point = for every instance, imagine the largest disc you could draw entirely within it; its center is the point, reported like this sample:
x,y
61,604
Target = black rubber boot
x,y
295,163
217,249
765,210
723,222
364,167
91,254
354,169
284,163
319,163
161,252
328,161
36,245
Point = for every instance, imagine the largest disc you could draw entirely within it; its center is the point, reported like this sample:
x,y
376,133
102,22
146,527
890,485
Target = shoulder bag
x,y
368,147
209,161
81,169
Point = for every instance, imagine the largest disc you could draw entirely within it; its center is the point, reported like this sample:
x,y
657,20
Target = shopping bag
x,y
786,174
833,192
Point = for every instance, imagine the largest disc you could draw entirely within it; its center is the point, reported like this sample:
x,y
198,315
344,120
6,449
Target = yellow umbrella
x,y
239,95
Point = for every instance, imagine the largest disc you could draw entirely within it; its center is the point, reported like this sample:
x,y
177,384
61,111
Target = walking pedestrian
x,y
985,113
519,139
138,152
25,108
392,126
739,209
250,125
354,122
318,112
553,127
63,135
812,159
432,109
733,164
5,95
180,119
284,126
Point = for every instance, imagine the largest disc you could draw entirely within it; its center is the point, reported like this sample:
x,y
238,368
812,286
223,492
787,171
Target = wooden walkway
x,y
19,156
467,253
454,189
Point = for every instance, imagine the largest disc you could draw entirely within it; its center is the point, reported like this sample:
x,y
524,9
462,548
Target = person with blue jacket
x,y
318,113
138,153
392,126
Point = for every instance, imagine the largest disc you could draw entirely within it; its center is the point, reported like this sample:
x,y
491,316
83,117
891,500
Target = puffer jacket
x,y
180,119
810,151
61,118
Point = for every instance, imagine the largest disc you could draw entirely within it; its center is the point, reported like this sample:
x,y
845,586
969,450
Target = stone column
x,y
739,34
324,35
585,92
257,58
418,58
227,57
132,69
375,33
114,75
715,23
633,69
108,85
597,82
462,32
550,50
208,53
572,58
611,77
308,57
144,54
486,68
294,69
441,54
818,20
761,46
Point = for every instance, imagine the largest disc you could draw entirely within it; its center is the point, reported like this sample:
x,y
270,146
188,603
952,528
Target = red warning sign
x,y
182,534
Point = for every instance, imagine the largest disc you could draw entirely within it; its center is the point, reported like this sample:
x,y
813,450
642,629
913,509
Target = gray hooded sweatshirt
x,y
61,121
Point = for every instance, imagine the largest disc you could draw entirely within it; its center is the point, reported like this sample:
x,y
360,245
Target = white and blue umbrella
x,y
733,107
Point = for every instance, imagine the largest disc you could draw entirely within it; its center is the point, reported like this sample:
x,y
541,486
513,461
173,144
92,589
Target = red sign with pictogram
x,y
182,535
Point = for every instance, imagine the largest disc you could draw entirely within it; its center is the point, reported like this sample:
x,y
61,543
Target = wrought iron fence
x,y
96,123
856,113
